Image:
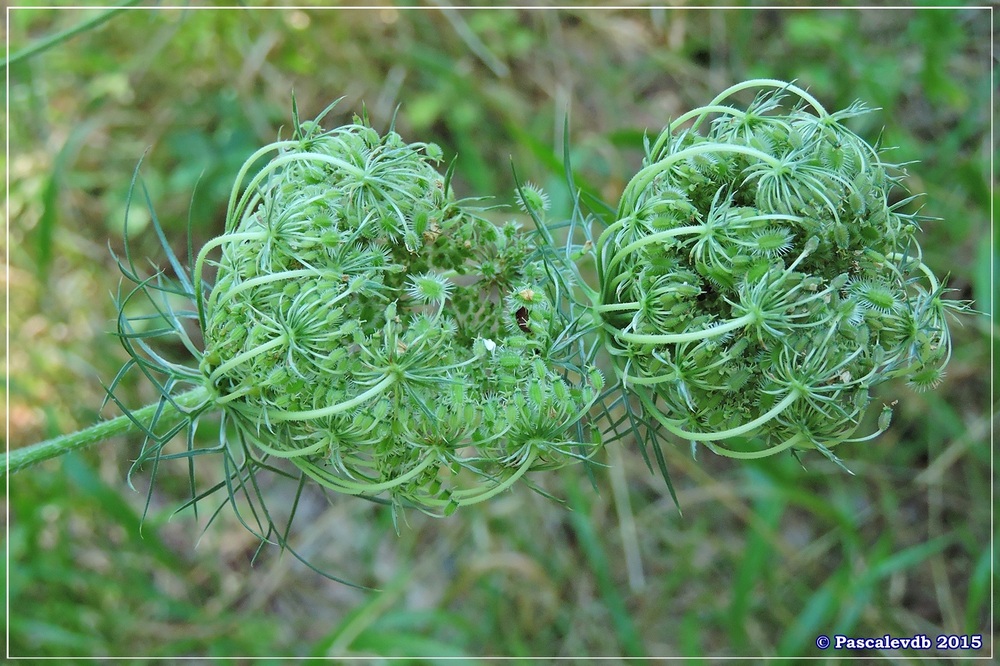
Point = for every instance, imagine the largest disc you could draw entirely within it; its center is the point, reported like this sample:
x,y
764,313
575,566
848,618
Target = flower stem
x,y
18,459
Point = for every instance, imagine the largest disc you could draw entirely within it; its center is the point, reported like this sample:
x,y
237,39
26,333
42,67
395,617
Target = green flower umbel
x,y
380,334
762,277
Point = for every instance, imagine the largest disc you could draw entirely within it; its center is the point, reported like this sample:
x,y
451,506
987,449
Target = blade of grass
x,y
362,618
626,520
756,560
50,198
47,43
857,595
600,566
471,39
87,482
548,159
977,610
814,617
905,559
409,633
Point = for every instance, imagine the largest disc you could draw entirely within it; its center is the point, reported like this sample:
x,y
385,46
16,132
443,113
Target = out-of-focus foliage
x,y
767,555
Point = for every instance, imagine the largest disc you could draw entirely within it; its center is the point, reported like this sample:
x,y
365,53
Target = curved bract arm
x,y
715,106
642,180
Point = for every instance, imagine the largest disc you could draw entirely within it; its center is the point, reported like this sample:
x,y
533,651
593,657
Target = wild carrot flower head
x,y
380,334
763,274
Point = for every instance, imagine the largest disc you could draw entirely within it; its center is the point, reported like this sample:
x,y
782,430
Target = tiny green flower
x,y
428,288
530,197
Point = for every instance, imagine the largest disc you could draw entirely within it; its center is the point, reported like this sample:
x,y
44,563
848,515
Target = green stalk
x,y
18,459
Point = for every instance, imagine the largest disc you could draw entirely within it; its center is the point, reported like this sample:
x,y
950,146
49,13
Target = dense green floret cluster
x,y
379,333
762,276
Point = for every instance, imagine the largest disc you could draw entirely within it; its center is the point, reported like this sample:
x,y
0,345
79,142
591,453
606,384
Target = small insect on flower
x,y
522,318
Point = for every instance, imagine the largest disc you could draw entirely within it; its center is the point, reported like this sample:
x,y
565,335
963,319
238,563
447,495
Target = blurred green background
x,y
766,556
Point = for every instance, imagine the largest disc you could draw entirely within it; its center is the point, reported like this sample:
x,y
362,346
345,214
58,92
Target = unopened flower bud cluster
x,y
382,335
763,276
